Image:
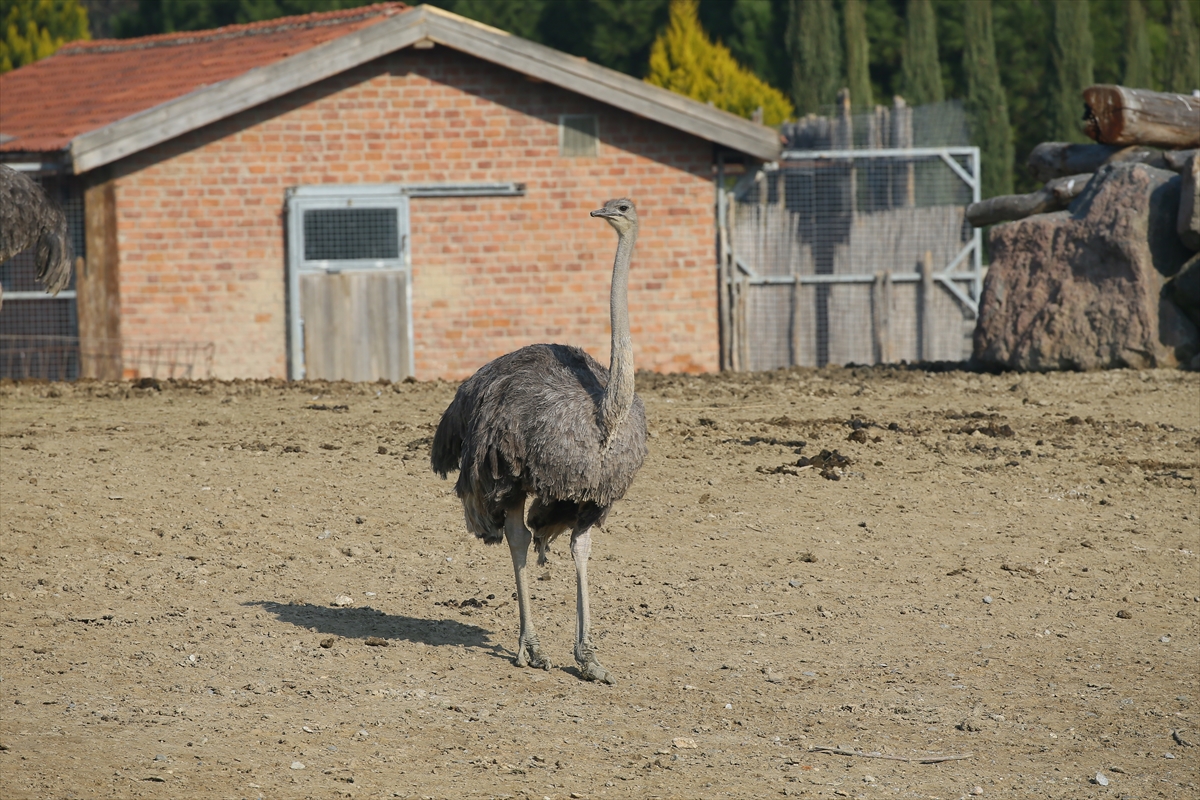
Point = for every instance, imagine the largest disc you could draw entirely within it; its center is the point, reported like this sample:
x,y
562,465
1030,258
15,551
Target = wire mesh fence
x,y
63,358
851,256
27,310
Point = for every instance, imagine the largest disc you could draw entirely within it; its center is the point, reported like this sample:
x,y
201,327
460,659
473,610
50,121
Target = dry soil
x,y
260,590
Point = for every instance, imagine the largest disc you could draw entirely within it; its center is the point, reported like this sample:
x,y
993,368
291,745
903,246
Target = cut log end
x,y
1123,116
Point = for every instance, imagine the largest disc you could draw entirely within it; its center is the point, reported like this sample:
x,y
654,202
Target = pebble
x,y
988,599
684,743
1168,755
1165,639
977,790
795,584
297,765
325,534
343,600
1100,779
728,706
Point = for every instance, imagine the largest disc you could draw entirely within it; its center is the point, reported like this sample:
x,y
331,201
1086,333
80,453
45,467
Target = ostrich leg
x,y
585,655
529,653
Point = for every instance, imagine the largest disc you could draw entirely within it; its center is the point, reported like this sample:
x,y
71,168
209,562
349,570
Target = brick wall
x,y
200,219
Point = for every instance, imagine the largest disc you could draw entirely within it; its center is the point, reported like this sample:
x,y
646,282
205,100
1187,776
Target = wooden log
x,y
1120,115
1050,160
1054,196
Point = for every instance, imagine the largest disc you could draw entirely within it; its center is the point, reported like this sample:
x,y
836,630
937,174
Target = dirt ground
x,y
261,590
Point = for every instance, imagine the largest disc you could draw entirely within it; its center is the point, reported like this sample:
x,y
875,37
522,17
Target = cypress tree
x,y
1072,70
920,72
986,107
684,60
858,55
1183,51
815,47
1137,48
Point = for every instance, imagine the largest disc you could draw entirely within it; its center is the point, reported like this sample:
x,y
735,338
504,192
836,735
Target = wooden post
x,y
902,138
927,307
743,327
97,284
881,317
723,267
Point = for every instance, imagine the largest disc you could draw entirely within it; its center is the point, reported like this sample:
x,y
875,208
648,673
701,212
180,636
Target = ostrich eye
x,y
623,209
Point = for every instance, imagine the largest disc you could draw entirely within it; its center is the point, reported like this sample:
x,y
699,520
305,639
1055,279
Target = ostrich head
x,y
619,213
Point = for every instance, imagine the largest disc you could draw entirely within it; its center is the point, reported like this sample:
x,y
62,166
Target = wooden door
x,y
355,325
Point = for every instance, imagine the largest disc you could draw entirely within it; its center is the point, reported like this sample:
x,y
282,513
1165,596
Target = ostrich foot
x,y
589,667
529,654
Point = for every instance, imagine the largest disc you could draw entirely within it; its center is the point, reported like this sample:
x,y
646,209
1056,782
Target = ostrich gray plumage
x,y
29,219
550,422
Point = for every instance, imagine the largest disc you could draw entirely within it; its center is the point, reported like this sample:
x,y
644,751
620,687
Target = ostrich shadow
x,y
367,622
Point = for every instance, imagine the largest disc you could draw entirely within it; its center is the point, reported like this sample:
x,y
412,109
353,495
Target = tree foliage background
x,y
684,60
1156,43
34,29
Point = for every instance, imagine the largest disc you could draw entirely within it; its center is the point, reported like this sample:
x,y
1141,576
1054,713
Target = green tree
x,y
814,44
753,36
921,74
1137,48
519,17
1183,51
615,33
1071,56
34,29
858,54
986,105
168,16
684,60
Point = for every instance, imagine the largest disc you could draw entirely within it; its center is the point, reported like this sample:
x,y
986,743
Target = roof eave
x,y
212,103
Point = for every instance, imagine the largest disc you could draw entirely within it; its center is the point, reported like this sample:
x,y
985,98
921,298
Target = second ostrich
x,y
28,219
549,421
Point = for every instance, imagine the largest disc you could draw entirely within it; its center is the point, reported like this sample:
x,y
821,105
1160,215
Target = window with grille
x,y
578,135
350,234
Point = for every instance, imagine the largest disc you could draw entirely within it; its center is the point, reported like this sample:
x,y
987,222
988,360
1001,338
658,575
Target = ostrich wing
x,y
29,219
528,421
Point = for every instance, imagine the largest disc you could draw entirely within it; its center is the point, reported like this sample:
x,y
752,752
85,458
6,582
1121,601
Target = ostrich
x,y
29,219
549,421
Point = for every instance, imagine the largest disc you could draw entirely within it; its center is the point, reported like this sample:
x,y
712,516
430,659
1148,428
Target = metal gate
x,y
349,289
850,256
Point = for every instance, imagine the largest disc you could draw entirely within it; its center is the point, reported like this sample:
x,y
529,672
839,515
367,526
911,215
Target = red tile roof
x,y
88,85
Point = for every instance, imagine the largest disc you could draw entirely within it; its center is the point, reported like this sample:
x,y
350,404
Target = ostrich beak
x,y
602,212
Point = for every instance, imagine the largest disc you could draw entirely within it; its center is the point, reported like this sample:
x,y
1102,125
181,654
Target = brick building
x,y
370,193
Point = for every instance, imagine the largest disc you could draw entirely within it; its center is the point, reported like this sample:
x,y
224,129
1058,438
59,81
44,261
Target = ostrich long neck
x,y
618,396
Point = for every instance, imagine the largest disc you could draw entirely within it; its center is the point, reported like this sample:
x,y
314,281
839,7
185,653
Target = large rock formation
x,y
1083,288
1184,289
1188,226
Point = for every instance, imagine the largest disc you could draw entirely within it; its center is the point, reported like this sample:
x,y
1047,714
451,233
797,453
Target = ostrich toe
x,y
529,654
589,667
